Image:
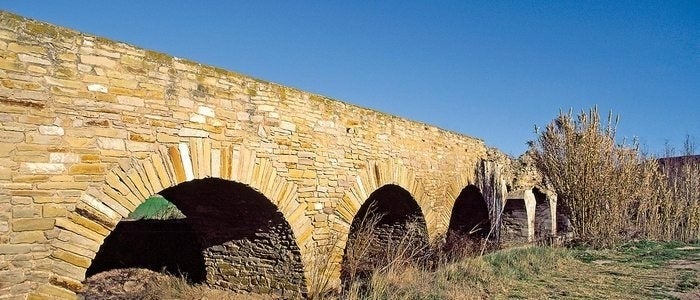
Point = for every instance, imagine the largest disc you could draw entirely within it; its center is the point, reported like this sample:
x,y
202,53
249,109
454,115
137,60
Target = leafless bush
x,y
372,249
610,191
682,173
323,265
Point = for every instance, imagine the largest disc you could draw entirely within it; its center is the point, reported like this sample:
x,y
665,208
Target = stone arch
x,y
518,217
470,214
452,191
371,178
545,217
129,183
388,225
486,176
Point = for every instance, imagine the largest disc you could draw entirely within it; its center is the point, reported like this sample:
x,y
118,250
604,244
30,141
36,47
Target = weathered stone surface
x,y
111,143
190,132
63,157
72,258
28,237
51,130
32,224
42,168
98,61
89,128
97,88
9,137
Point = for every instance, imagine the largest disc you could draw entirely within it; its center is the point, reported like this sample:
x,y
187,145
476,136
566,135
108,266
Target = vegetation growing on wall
x,y
156,208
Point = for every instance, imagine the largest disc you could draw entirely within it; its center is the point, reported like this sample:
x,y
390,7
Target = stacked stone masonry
x,y
90,128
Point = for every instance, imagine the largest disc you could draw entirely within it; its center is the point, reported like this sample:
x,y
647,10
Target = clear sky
x,y
487,69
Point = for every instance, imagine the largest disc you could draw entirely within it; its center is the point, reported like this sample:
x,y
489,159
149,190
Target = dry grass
x,y
640,270
611,192
683,184
173,287
538,273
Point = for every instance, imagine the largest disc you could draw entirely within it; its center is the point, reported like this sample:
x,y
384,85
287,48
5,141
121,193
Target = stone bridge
x,y
270,178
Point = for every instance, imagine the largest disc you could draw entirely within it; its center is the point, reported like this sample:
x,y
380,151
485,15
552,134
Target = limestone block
x,y
30,224
288,126
11,137
28,237
51,130
100,207
166,138
191,132
42,168
73,248
79,240
50,210
26,211
32,59
37,138
197,118
5,173
64,158
11,277
98,61
87,169
141,146
206,111
52,291
111,143
184,102
71,258
266,108
133,101
23,48
97,88
11,249
186,162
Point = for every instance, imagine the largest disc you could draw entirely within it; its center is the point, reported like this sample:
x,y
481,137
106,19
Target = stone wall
x,y
89,128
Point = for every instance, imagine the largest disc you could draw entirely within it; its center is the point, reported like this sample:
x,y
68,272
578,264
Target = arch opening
x,y
148,235
514,221
470,216
543,216
389,228
242,240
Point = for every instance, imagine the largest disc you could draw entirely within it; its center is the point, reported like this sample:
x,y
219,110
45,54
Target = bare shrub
x,y
681,215
369,254
358,260
323,265
610,192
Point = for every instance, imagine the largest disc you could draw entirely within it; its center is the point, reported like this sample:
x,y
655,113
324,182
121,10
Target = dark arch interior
x,y
389,220
543,215
514,221
470,215
149,244
240,240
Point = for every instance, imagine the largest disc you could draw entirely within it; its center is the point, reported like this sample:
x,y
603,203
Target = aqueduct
x,y
90,128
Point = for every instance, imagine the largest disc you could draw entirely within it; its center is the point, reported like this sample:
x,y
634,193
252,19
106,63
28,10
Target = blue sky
x,y
491,69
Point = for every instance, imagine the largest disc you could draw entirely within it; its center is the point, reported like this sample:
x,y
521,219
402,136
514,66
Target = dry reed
x,y
610,191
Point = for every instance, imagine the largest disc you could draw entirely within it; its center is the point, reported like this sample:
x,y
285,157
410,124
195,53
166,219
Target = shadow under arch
x,y
543,215
389,226
470,215
244,240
